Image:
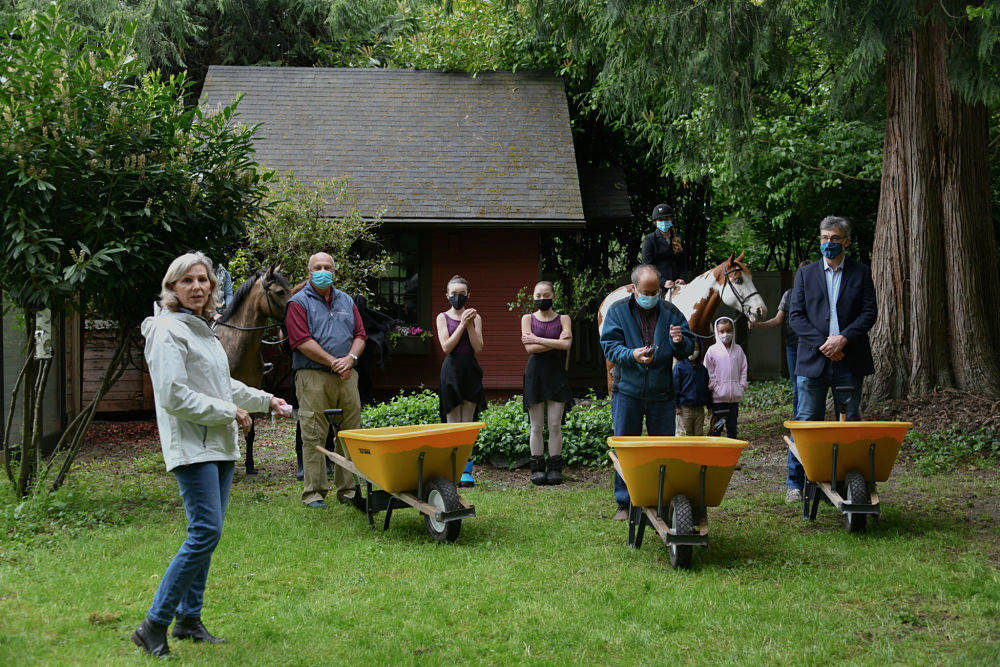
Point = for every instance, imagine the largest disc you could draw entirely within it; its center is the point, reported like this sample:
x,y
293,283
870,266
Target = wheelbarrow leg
x,y
631,524
806,497
368,505
388,515
815,502
641,528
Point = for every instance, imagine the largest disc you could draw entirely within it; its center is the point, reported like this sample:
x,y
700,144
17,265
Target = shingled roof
x,y
428,147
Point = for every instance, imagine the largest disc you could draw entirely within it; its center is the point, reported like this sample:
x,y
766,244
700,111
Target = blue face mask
x,y
664,225
322,279
831,250
647,302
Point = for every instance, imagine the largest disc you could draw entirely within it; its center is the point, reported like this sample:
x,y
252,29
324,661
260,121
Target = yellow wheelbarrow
x,y
844,460
671,482
413,466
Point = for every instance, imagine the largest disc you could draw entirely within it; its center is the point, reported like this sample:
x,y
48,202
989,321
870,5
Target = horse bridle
x,y
275,306
742,300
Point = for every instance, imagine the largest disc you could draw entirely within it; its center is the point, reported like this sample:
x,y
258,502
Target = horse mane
x,y
239,297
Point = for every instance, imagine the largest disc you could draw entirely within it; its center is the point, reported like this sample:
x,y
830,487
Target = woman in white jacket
x,y
198,408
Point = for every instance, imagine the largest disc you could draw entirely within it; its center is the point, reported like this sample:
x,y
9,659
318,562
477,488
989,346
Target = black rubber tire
x,y
681,519
443,490
856,491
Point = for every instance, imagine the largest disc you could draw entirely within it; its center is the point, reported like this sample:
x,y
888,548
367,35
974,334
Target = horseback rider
x,y
663,249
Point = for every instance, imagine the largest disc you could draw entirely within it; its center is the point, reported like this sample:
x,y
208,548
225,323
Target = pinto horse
x,y
262,297
730,283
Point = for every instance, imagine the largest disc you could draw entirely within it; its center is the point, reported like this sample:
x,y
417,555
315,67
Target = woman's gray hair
x,y
832,222
176,270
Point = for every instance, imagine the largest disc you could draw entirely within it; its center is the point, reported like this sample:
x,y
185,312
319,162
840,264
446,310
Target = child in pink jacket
x,y
727,373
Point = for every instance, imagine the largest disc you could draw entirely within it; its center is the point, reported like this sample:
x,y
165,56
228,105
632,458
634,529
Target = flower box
x,y
411,345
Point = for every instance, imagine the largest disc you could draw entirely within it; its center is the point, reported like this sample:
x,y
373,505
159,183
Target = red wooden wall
x,y
497,263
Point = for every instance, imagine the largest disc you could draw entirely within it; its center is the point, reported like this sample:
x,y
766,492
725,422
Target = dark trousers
x,y
734,413
627,414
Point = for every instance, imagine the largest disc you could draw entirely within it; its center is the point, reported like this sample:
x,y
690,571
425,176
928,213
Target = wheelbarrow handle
x,y
334,415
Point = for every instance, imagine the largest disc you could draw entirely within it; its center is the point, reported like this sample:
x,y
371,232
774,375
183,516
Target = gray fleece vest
x,y
332,328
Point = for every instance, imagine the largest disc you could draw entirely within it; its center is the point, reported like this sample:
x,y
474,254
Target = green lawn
x,y
539,575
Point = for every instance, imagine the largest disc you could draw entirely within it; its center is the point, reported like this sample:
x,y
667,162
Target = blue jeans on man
x,y
627,414
812,406
205,492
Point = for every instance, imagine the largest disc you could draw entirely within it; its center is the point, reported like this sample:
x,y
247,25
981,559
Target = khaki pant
x,y
692,420
318,391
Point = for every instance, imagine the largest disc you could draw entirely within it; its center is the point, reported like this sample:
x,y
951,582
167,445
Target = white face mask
x,y
726,338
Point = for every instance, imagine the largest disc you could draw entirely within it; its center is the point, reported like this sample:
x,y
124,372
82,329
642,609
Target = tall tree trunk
x,y
934,244
26,472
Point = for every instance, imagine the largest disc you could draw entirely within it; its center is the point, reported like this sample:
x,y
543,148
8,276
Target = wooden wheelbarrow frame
x,y
378,500
639,517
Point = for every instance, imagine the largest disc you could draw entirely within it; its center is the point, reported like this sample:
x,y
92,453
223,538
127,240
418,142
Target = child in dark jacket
x,y
693,394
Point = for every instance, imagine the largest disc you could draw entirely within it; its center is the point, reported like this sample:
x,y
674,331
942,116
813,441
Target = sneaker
x,y
793,496
621,514
316,504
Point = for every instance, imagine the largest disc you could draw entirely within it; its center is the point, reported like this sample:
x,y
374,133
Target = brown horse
x,y
730,283
241,327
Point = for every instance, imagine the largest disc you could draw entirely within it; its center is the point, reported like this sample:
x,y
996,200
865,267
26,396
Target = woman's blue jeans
x,y
627,414
205,492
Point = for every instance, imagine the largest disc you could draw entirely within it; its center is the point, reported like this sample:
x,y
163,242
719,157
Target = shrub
x,y
945,450
586,432
505,435
405,409
769,395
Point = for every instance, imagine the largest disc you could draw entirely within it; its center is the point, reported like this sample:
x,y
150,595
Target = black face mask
x,y
543,304
458,301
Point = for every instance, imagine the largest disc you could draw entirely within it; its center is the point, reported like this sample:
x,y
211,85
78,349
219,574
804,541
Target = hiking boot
x,y
152,638
793,496
192,628
553,474
621,514
537,464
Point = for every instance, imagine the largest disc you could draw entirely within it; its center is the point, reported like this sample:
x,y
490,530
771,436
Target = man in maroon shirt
x,y
327,337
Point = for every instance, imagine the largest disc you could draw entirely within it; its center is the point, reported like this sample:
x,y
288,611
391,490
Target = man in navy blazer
x,y
833,308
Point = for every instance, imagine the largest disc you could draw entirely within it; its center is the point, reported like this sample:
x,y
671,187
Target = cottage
x,y
468,171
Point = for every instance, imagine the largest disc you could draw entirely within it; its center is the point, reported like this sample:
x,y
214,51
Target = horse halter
x,y
742,300
271,302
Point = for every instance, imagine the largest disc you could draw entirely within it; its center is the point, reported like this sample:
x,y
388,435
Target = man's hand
x,y
342,365
243,420
676,333
644,355
346,375
834,345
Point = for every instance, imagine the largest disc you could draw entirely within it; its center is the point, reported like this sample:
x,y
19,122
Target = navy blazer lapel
x,y
820,283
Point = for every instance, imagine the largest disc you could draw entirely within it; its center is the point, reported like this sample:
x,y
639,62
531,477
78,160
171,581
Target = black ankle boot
x,y
537,464
152,638
192,628
554,473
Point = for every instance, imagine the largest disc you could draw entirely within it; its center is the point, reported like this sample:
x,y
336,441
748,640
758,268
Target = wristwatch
x,y
353,356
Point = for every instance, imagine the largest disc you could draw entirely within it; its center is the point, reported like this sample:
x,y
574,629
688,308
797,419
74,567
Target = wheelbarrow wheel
x,y
442,495
682,521
857,492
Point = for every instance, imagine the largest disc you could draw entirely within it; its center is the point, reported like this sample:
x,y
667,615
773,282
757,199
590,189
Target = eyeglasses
x,y
830,238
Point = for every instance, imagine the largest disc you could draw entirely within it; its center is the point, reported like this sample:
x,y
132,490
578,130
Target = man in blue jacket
x,y
642,335
833,308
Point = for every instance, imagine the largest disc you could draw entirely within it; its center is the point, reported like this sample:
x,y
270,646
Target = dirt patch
x,y
943,409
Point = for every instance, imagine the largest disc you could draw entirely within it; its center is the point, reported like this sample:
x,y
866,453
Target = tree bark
x,y
934,244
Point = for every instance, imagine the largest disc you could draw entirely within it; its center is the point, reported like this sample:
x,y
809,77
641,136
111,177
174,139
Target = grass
x,y
540,575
